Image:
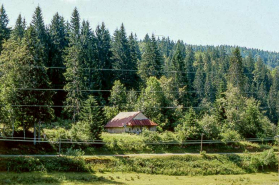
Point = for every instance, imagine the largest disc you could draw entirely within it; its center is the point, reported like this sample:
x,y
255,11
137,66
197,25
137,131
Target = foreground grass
x,y
135,178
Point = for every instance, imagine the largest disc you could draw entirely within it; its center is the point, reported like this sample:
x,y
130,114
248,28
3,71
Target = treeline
x,y
68,70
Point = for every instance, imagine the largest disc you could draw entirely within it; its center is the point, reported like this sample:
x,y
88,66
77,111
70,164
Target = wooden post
x,y
201,141
39,131
34,133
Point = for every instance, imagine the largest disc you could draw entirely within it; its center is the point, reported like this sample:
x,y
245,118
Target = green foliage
x,y
124,142
20,26
236,77
80,131
91,115
210,127
26,69
189,127
74,152
229,135
28,164
151,61
160,77
4,30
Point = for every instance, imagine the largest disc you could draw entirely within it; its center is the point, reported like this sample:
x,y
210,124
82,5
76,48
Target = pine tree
x,y
74,70
92,115
89,57
236,76
151,101
18,31
199,79
178,65
208,85
39,26
122,60
24,68
189,65
58,43
151,62
272,97
117,100
135,55
75,24
4,30
104,57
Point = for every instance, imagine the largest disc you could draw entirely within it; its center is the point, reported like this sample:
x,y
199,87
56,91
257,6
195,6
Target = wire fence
x,y
101,142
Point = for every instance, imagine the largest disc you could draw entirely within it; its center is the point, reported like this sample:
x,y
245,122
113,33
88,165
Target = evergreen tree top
x,y
4,20
75,23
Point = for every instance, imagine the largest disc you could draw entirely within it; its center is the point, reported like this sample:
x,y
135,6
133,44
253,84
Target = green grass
x,y
165,165
135,179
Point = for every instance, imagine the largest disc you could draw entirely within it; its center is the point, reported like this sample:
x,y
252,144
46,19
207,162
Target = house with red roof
x,y
132,122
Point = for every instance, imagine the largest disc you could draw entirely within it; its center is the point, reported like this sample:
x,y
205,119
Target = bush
x,y
80,131
74,152
150,136
230,135
48,164
123,142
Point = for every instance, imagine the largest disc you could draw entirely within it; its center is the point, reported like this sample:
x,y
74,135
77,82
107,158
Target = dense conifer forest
x,y
68,70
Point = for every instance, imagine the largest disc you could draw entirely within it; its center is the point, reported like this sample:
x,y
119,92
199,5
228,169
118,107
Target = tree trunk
x,y
34,133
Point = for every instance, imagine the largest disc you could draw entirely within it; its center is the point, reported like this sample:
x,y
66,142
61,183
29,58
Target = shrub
x,y
28,164
230,135
74,152
123,142
150,137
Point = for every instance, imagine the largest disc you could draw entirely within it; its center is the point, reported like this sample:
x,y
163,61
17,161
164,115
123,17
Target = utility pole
x,y
59,144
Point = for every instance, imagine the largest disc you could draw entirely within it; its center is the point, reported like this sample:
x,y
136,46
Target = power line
x,y
101,90
102,106
148,143
132,70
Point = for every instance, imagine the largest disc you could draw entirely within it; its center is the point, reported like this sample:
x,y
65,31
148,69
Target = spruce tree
x,y
135,55
89,57
74,74
40,29
75,24
151,101
104,55
199,79
92,115
58,43
189,65
177,67
236,76
117,100
122,60
4,30
24,71
151,63
18,31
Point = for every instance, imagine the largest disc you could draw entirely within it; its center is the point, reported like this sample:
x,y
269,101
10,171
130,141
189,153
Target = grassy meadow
x,y
269,178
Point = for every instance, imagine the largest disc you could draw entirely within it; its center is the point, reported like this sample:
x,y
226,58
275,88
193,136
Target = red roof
x,y
143,122
126,118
